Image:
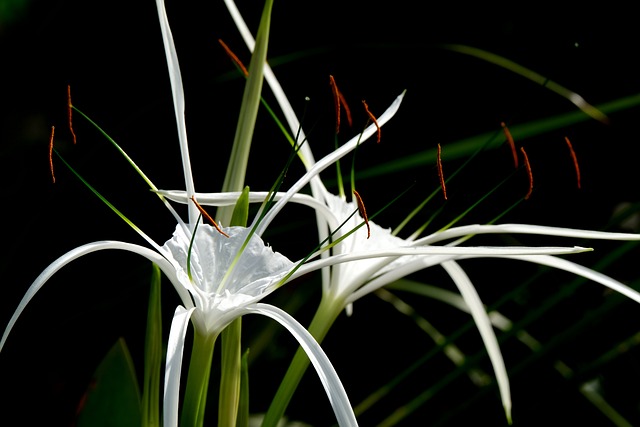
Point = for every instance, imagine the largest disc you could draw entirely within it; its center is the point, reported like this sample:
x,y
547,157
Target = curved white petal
x,y
231,197
175,350
481,318
415,253
65,259
328,376
388,276
178,102
523,229
329,159
580,270
278,92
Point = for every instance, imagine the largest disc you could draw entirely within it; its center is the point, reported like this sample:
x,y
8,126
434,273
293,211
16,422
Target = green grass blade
x,y
236,170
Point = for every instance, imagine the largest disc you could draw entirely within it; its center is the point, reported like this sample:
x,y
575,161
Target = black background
x,y
112,56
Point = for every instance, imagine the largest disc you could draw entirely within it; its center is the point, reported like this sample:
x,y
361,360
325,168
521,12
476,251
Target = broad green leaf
x,y
113,397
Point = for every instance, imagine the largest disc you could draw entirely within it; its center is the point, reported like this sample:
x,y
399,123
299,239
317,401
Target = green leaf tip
x,y
240,215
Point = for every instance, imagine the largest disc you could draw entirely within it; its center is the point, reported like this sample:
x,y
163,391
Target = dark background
x,y
112,56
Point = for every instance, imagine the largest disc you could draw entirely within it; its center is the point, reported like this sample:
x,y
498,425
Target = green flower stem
x,y
230,377
230,380
327,313
153,355
195,399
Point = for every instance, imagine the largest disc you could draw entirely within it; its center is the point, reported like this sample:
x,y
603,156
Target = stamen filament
x,y
234,58
69,113
512,144
575,160
339,99
347,110
51,154
440,173
336,101
373,119
363,212
529,174
208,217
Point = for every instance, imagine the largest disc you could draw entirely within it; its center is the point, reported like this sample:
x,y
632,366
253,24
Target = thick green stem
x,y
230,375
195,399
326,314
153,355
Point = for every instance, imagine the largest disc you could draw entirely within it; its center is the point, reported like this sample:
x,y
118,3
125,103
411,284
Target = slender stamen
x,y
69,112
440,173
529,174
336,101
51,154
339,99
373,119
347,110
208,217
234,58
575,159
363,211
512,144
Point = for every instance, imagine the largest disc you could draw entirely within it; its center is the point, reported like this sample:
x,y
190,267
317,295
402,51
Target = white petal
x,y
65,259
414,253
215,268
289,114
523,229
479,314
231,197
328,376
175,350
178,102
580,270
330,159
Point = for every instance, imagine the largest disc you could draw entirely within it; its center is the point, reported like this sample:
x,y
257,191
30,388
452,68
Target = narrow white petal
x,y
457,251
523,229
479,314
289,114
580,270
231,197
65,259
330,159
178,102
175,350
328,376
416,264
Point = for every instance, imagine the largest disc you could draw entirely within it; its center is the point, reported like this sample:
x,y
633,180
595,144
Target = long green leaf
x,y
113,397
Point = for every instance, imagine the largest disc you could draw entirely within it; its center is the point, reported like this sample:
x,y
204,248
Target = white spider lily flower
x,y
217,282
345,283
217,278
